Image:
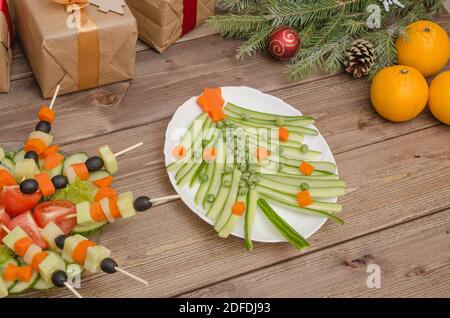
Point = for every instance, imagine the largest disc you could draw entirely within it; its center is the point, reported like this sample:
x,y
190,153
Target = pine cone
x,y
360,58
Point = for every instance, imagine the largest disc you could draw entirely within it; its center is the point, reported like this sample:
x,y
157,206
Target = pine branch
x,y
235,6
256,43
237,26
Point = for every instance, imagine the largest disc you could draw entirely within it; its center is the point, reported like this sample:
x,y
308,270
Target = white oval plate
x,y
263,230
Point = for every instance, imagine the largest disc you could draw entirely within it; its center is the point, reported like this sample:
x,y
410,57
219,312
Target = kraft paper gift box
x,y
162,22
6,42
79,49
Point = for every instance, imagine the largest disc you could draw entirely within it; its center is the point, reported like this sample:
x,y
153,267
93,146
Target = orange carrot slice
x,y
6,179
81,170
283,134
306,168
97,212
209,154
36,145
204,104
53,160
48,151
214,95
262,153
178,152
113,208
104,182
217,115
24,273
22,245
238,208
45,184
304,199
10,273
37,259
80,251
105,192
45,113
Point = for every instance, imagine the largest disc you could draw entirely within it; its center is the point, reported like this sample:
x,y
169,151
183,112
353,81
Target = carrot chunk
x,y
304,199
53,160
105,192
24,273
113,208
48,151
306,168
45,113
45,184
80,251
209,154
262,153
22,245
104,182
37,259
97,212
204,104
283,134
6,179
81,170
238,208
10,273
178,152
211,101
36,145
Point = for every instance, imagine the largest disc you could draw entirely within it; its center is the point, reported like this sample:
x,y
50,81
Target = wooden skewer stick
x,y
159,201
140,280
4,228
54,96
120,153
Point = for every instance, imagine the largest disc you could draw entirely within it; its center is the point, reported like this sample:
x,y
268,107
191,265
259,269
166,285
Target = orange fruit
x,y
426,47
399,93
439,100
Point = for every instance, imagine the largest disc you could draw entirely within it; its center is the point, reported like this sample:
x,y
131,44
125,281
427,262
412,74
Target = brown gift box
x,y
101,52
5,53
160,21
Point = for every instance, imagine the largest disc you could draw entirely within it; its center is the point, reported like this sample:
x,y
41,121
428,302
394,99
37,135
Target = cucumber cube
x,y
109,159
71,175
26,168
105,208
125,204
50,233
52,263
84,214
47,139
69,246
31,251
13,236
3,289
94,257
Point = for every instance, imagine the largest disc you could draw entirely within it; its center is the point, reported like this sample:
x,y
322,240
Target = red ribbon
x,y
5,10
190,15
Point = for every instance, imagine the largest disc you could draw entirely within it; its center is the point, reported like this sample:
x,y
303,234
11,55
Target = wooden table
x,y
398,217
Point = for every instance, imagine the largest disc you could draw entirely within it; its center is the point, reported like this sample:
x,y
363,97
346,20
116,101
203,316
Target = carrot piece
x,y
48,151
214,95
6,179
105,192
22,245
104,182
53,160
178,152
238,208
81,170
10,273
36,145
283,134
45,184
304,199
262,153
97,212
45,113
113,208
209,154
204,104
306,168
217,115
24,273
80,251
37,259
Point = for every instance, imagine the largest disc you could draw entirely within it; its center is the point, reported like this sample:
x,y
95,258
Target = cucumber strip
x,y
297,181
282,226
292,201
252,199
221,196
234,219
264,122
197,173
79,157
295,138
316,193
297,154
217,174
231,199
297,129
260,115
308,210
290,170
201,193
318,165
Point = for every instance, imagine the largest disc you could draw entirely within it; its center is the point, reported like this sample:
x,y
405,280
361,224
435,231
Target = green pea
x,y
227,183
245,117
243,190
252,168
280,121
211,198
304,148
243,167
203,177
245,176
242,183
304,186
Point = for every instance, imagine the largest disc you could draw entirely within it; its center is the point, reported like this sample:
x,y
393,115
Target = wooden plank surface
x,y
401,172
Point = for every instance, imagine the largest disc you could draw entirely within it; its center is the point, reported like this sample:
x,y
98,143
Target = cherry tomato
x,y
28,224
56,211
16,202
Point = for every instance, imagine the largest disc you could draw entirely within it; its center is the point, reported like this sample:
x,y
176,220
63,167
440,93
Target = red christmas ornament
x,y
284,43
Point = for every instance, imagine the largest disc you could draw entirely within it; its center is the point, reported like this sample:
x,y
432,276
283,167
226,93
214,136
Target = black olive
x,y
59,278
32,155
108,265
29,186
142,204
94,163
44,126
60,181
60,240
